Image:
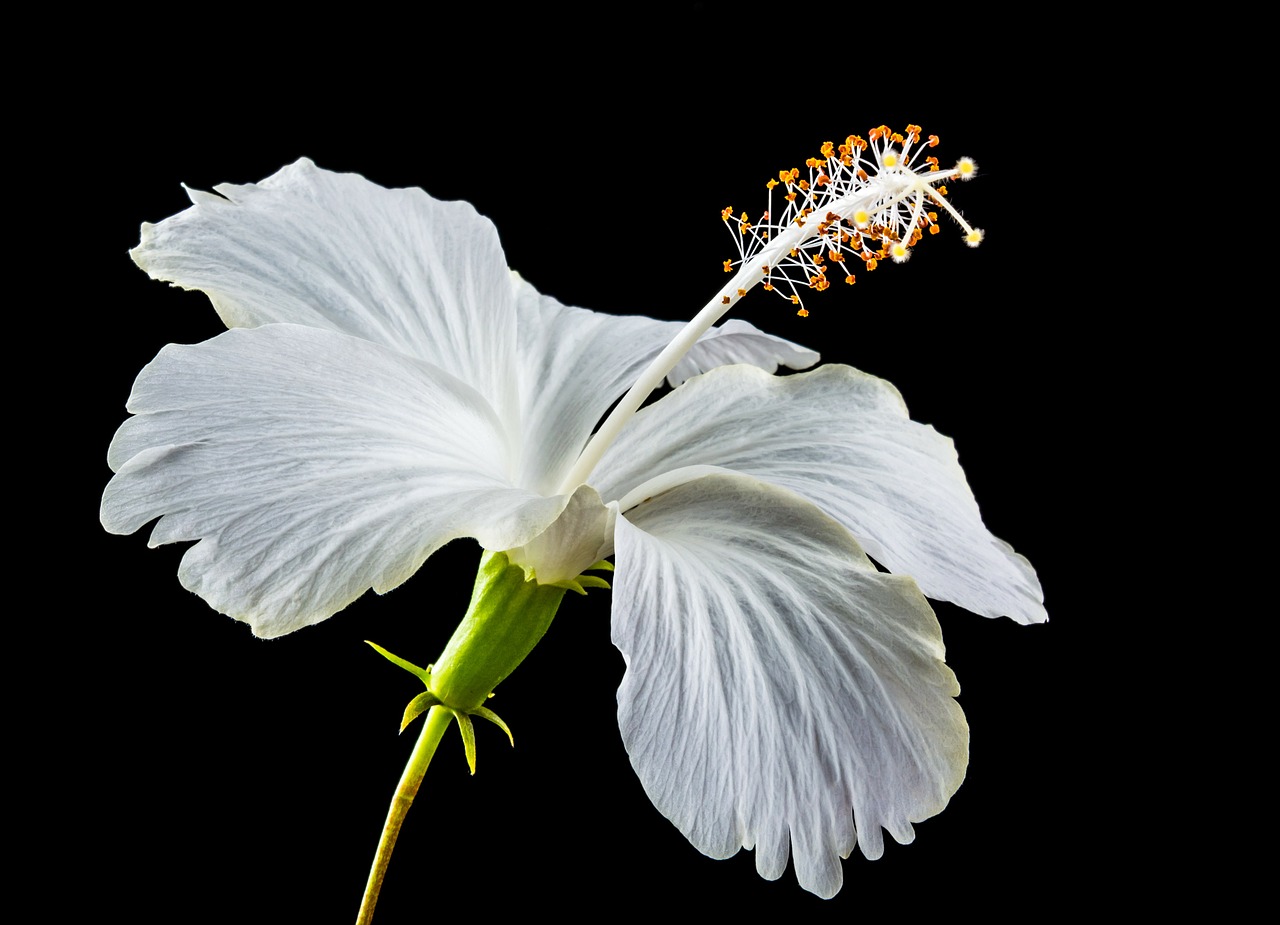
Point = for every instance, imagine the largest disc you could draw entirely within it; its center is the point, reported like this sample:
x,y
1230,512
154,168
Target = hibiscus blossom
x,y
387,385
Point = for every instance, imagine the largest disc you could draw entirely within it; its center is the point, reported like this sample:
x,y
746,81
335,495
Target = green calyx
x,y
509,613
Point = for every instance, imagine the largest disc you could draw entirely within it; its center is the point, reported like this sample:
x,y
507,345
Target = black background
x,y
210,776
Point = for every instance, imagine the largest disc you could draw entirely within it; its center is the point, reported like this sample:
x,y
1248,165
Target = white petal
x,y
843,440
581,536
328,250
737,341
574,364
311,466
778,689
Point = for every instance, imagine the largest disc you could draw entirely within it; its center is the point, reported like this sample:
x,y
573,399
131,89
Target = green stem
x,y
432,730
506,618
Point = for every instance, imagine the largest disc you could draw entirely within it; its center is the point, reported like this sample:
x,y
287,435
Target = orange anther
x,y
728,266
933,141
828,149
724,301
849,279
934,229
771,184
803,313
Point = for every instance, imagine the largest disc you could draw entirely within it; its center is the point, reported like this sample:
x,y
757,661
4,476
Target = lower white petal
x,y
311,466
779,689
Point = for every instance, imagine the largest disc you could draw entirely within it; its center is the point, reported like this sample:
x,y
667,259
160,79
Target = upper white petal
x,y
778,688
329,250
574,364
738,341
842,439
311,465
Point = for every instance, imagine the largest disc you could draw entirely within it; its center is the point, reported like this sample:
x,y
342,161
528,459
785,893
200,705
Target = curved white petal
x,y
738,341
581,536
843,440
329,250
779,689
575,363
311,465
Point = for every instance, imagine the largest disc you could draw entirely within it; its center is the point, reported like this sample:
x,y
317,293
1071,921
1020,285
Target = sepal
x,y
423,674
417,706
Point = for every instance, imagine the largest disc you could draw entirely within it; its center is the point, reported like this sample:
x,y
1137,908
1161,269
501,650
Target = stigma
x,y
863,199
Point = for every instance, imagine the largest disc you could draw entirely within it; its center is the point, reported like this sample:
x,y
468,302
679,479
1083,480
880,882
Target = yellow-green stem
x,y
436,723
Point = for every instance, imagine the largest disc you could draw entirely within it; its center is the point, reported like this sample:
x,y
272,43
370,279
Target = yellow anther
x,y
828,149
728,266
849,279
771,184
795,300
726,213
803,313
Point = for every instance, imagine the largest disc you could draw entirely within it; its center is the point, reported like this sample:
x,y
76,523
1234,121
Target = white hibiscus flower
x,y
387,385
